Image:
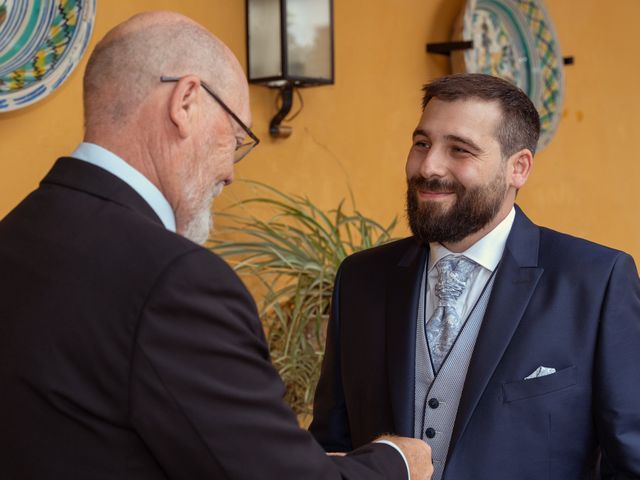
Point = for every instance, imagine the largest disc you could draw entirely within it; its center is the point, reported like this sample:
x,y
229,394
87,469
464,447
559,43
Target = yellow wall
x,y
357,131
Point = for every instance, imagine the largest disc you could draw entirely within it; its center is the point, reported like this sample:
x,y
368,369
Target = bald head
x,y
175,133
128,62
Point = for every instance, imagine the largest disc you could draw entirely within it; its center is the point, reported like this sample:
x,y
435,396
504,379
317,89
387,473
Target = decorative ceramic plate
x,y
515,40
41,42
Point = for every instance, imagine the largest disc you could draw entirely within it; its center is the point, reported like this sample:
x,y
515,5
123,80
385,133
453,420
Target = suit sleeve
x,y
205,397
330,424
617,374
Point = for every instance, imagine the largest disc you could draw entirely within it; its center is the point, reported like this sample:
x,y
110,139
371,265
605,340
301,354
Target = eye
x,y
460,151
421,143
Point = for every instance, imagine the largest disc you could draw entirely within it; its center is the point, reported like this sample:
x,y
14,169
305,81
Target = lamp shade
x,y
290,42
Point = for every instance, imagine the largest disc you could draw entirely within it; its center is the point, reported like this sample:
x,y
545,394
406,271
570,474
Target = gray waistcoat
x,y
436,400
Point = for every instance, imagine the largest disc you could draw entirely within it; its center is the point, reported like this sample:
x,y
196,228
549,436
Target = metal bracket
x,y
445,48
275,129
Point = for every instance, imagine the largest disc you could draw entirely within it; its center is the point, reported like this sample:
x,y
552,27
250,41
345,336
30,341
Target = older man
x,y
513,350
128,351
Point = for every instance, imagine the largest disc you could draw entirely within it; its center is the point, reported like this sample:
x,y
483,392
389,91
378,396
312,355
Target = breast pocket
x,y
514,391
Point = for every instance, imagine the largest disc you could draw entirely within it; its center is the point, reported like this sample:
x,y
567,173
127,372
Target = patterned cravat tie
x,y
445,323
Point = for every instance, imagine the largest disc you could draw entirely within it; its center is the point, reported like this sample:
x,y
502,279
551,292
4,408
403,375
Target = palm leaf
x,y
294,255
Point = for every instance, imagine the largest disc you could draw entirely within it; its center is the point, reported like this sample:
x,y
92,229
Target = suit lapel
x,y
515,282
401,311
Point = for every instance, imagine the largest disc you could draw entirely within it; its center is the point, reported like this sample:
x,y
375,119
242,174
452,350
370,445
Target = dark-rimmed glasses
x,y
241,150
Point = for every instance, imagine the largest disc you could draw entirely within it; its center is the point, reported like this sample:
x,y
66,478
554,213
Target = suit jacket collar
x,y
82,176
516,278
524,240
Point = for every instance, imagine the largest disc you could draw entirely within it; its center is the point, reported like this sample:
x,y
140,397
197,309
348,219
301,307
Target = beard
x,y
473,208
200,220
198,228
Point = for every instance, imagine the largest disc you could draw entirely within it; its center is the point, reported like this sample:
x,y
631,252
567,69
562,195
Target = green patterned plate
x,y
41,42
515,40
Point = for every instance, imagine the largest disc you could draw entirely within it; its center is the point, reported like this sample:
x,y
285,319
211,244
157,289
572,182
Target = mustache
x,y
435,185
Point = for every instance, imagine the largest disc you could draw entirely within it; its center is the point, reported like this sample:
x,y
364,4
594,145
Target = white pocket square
x,y
541,372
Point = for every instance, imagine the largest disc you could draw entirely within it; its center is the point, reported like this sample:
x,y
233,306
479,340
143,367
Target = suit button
x,y
434,403
430,432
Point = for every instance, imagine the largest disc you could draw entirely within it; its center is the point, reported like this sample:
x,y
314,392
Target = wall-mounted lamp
x,y
289,45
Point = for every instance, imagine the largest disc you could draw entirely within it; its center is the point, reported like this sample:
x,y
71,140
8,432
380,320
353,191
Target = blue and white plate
x,y
41,42
515,40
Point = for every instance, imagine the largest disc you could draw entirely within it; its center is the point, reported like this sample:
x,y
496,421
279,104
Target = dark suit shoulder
x,y
203,269
563,251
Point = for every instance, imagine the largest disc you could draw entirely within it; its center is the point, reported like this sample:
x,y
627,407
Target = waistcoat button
x,y
430,432
434,403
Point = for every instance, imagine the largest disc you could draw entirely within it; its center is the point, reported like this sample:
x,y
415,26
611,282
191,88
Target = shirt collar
x,y
109,161
486,252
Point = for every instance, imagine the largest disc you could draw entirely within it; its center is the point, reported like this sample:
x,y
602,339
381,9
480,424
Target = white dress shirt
x,y
486,252
109,161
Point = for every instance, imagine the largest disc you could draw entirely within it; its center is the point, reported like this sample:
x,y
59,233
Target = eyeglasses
x,y
241,150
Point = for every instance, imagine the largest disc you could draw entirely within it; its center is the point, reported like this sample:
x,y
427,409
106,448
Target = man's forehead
x,y
238,93
464,106
471,117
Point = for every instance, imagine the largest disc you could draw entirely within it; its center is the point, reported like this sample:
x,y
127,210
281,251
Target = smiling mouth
x,y
434,194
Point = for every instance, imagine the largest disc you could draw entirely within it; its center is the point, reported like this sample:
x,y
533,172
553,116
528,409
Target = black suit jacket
x,y
557,301
129,352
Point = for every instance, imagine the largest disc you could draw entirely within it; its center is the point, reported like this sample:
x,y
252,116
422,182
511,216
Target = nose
x,y
428,164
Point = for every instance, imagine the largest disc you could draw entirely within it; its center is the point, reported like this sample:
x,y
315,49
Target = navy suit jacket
x,y
130,352
557,301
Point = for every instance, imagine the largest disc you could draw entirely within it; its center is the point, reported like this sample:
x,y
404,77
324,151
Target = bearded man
x,y
510,348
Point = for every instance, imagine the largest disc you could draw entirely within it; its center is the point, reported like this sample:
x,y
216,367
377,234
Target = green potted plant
x,y
290,262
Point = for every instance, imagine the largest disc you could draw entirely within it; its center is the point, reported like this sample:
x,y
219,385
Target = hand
x,y
417,453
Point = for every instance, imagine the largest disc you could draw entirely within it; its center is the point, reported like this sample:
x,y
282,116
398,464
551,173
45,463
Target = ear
x,y
519,167
183,103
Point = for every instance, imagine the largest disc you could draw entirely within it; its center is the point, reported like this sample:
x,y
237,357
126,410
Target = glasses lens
x,y
243,150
